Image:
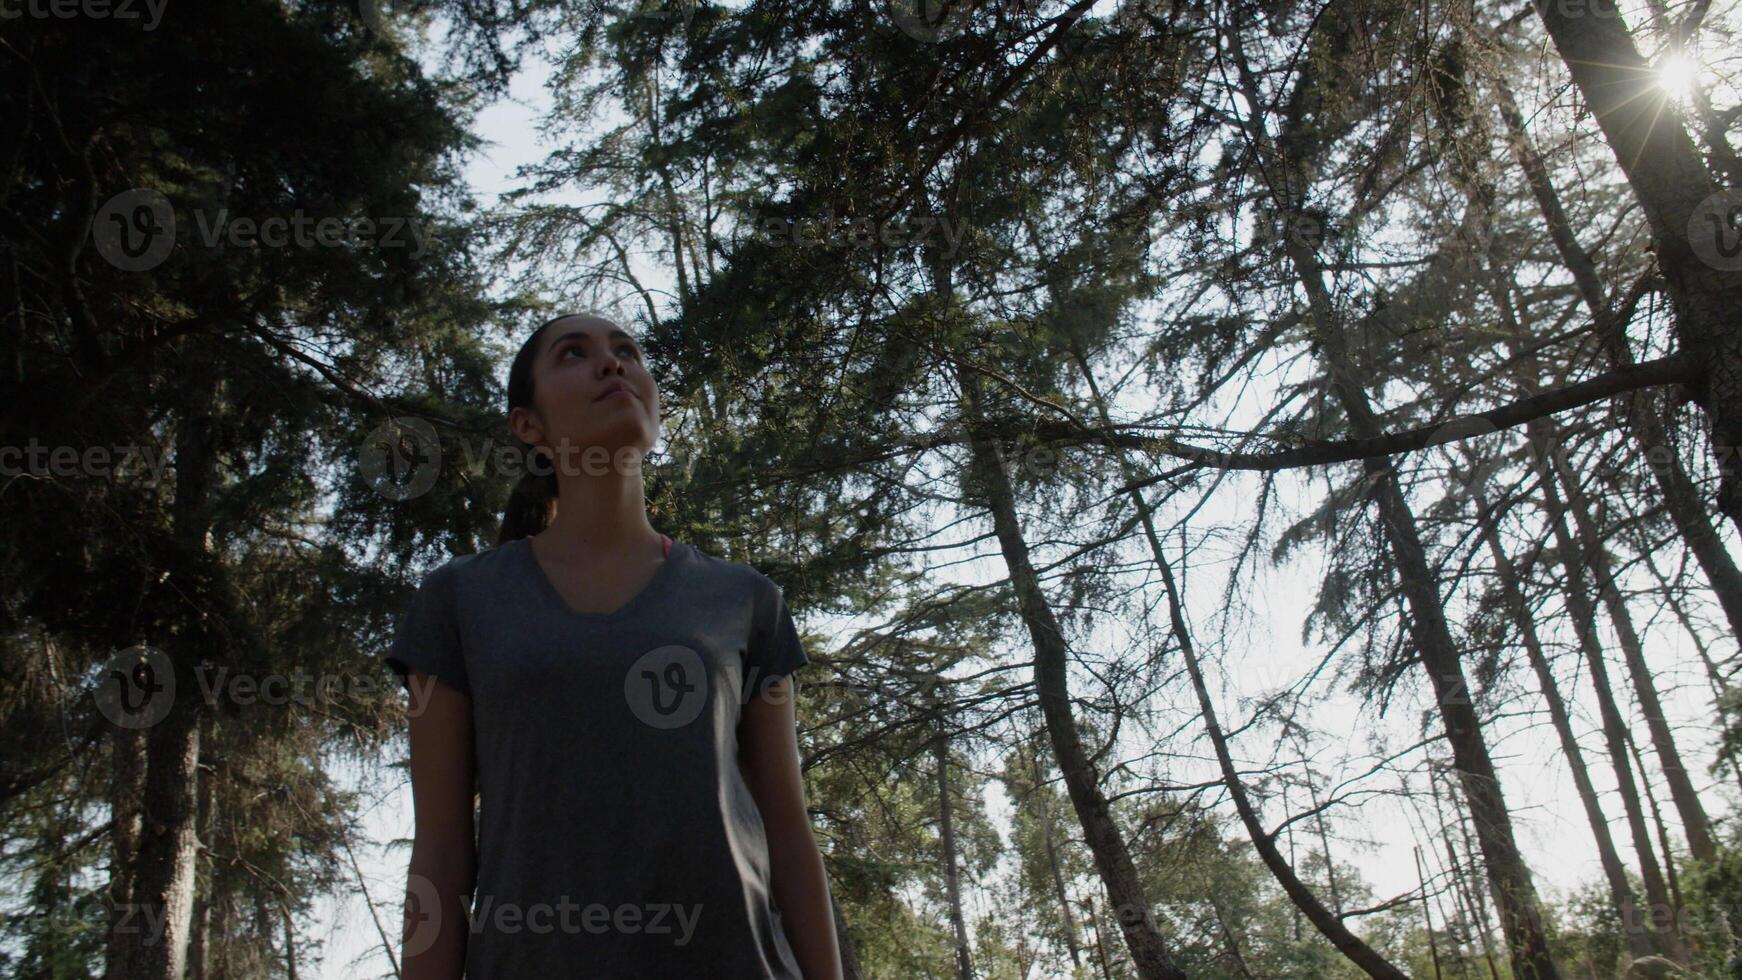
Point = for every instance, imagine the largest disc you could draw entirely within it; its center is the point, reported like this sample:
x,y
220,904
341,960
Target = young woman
x,y
624,704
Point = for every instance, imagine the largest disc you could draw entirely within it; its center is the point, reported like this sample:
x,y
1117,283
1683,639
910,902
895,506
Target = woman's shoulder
x,y
464,566
736,572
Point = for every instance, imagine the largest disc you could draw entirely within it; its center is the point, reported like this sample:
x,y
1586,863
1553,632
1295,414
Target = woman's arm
x,y
768,756
443,852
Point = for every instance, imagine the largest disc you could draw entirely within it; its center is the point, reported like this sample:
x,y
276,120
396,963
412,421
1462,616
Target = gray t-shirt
x,y
616,834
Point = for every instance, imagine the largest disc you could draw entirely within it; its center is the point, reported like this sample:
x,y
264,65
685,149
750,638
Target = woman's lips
x,y
614,392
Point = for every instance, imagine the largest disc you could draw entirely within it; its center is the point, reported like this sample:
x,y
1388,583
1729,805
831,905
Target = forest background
x,y
1260,479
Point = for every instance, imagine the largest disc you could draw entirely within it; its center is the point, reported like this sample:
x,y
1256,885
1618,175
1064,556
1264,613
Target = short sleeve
x,y
775,649
428,637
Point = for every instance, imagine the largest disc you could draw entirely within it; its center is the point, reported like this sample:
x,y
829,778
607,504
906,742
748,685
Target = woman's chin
x,y
613,447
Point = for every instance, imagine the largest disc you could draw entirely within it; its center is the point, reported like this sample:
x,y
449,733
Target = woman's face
x,y
593,396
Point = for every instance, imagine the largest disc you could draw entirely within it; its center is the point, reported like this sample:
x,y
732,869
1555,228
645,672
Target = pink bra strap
x,y
667,545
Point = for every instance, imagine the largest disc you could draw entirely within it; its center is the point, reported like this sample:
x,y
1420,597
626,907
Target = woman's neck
x,y
607,512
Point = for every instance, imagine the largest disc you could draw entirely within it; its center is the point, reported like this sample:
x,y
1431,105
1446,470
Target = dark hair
x,y
533,498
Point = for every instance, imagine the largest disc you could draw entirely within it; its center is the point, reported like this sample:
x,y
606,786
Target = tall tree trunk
x,y
1100,943
1106,842
1325,920
1478,897
163,883
1545,444
1058,876
1427,915
947,837
126,798
1577,596
1646,427
1672,597
1662,828
200,939
1471,896
1680,496
1509,876
1681,786
289,941
1676,192
1639,940
850,969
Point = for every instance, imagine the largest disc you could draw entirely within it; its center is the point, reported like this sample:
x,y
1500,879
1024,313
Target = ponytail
x,y
532,502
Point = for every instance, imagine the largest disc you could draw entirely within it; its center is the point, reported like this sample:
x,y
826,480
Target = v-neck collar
x,y
674,555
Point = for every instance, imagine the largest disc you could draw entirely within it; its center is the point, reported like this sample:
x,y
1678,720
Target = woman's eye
x,y
571,349
629,352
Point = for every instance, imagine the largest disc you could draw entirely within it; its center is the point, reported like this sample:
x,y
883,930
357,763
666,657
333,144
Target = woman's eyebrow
x,y
582,335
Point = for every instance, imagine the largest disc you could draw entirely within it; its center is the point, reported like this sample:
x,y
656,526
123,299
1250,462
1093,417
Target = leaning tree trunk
x,y
1640,942
1677,194
1508,876
1149,953
1328,923
1646,427
1464,892
1672,597
1577,596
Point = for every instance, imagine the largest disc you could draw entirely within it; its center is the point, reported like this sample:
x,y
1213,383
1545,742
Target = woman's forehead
x,y
582,323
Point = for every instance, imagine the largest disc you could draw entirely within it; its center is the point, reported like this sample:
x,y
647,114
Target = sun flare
x,y
1676,76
